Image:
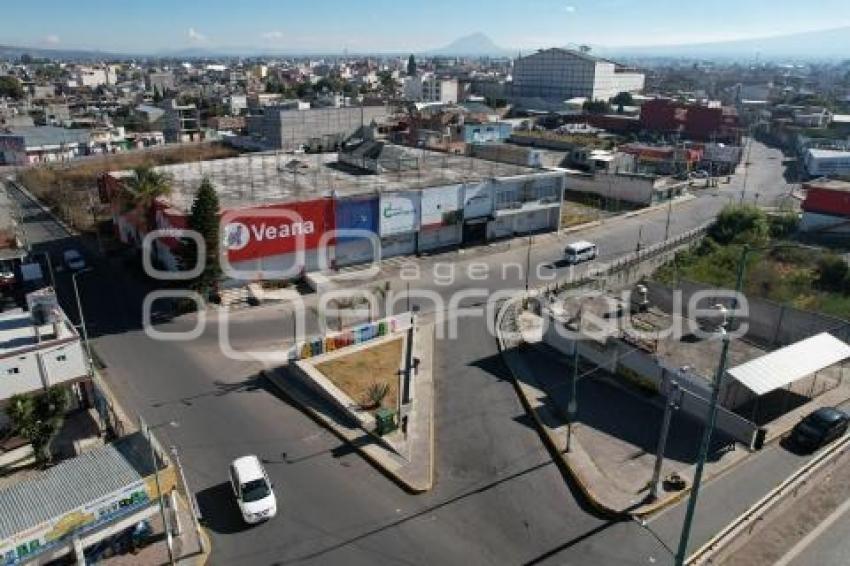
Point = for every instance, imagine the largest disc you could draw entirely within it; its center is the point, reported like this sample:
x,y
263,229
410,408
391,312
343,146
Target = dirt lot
x,y
354,373
69,189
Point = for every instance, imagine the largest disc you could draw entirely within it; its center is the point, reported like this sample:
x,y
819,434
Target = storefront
x,y
477,210
399,222
355,217
441,222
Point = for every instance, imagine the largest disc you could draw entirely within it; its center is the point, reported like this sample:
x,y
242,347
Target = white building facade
x,y
561,74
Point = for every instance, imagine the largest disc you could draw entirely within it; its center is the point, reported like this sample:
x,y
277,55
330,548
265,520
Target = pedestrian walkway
x,y
187,546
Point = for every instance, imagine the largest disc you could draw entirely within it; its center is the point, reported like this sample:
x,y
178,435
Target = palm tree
x,y
145,187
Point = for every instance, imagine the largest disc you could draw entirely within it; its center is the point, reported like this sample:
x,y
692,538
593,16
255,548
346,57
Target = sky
x,y
155,26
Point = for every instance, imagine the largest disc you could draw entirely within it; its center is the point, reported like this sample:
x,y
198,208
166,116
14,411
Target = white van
x,y
252,489
578,252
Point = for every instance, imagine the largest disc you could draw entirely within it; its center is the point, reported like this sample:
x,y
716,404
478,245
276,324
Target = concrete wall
x,y
615,356
33,370
288,129
771,324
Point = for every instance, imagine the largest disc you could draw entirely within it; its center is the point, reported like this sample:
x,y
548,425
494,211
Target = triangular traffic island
x,y
355,383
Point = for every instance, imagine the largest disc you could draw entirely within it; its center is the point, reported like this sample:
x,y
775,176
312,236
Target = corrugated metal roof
x,y
73,483
778,369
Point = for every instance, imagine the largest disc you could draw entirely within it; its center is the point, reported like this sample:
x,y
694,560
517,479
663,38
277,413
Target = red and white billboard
x,y
253,233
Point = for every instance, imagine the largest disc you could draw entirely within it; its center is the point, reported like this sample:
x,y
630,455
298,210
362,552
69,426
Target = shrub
x,y
744,224
832,273
783,225
376,393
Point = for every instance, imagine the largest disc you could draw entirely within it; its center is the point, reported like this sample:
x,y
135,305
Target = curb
x,y
557,457
561,459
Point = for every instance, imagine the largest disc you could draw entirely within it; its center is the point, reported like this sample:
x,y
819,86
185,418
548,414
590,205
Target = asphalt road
x,y
498,499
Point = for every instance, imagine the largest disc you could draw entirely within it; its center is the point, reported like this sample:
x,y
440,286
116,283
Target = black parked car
x,y
819,428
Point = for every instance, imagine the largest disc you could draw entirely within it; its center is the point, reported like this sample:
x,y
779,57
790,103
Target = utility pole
x,y
681,553
640,234
408,358
147,431
83,318
572,406
669,213
528,262
672,404
189,497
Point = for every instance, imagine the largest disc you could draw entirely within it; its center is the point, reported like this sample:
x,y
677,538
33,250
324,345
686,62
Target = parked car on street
x,y
819,428
74,260
253,490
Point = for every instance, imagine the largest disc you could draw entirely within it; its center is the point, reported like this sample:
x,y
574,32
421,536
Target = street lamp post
x,y
82,317
572,406
528,261
192,503
713,406
169,543
669,213
669,407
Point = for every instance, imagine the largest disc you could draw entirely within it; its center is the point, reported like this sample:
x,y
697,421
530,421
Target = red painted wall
x,y
277,229
827,201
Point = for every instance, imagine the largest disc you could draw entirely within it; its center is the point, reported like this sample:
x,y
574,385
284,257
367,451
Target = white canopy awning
x,y
786,365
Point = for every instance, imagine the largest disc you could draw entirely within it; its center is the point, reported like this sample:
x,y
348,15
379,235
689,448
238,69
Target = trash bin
x,y
385,421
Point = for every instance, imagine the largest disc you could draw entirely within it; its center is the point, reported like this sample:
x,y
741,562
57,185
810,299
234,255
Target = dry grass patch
x,y
69,188
355,373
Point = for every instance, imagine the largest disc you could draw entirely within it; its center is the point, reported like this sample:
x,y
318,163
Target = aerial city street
x,y
425,284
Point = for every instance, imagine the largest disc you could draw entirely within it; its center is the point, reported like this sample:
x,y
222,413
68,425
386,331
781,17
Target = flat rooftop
x,y
700,354
648,331
18,333
277,177
828,184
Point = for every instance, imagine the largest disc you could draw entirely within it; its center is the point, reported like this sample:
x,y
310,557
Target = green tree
x,y
740,224
11,87
596,107
832,273
38,418
622,99
145,187
204,220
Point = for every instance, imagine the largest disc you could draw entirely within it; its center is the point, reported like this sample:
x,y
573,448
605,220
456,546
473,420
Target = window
x,y
61,358
12,371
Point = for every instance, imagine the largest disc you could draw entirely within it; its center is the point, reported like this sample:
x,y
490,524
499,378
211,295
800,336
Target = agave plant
x,y
375,394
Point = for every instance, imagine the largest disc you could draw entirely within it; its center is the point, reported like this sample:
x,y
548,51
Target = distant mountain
x,y
14,52
822,44
475,45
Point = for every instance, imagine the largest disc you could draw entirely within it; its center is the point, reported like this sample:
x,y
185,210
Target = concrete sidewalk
x,y
612,445
615,434
188,550
412,465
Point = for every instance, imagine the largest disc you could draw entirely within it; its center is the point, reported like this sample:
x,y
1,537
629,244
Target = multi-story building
x,y
39,348
317,128
561,74
181,122
160,81
430,88
691,121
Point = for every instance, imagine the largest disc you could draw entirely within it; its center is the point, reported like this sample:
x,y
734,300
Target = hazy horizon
x,y
377,26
